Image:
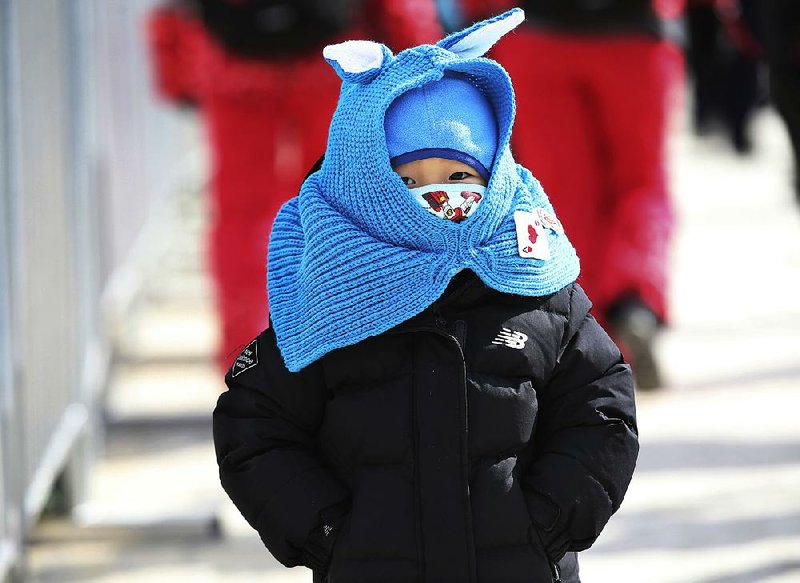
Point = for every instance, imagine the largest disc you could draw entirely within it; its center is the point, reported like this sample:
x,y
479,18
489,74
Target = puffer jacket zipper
x,y
555,571
440,328
418,534
459,337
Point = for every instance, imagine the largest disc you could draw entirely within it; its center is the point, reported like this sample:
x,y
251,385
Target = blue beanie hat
x,y
447,118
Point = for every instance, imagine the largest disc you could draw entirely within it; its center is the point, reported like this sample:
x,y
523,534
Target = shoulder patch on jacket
x,y
247,359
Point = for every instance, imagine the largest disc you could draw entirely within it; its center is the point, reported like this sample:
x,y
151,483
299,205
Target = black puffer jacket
x,y
478,442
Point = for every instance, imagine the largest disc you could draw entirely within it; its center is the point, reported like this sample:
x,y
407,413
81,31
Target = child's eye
x,y
407,180
459,176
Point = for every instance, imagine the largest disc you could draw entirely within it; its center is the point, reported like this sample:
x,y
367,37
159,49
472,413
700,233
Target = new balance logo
x,y
511,338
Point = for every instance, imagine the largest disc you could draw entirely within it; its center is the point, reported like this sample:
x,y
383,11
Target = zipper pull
x,y
555,571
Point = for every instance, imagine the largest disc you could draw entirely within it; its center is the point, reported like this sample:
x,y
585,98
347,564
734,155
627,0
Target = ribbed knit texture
x,y
353,255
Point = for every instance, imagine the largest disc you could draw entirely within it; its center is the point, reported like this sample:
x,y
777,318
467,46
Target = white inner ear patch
x,y
478,42
355,56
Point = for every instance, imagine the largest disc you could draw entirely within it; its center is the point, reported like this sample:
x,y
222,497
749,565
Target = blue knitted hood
x,y
353,255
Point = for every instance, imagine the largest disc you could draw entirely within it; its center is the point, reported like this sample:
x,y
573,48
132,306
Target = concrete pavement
x,y
716,497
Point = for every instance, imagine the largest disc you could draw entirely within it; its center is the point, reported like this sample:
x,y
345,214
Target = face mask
x,y
454,202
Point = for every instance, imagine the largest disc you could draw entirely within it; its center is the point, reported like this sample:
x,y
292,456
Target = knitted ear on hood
x,y
476,40
354,255
357,61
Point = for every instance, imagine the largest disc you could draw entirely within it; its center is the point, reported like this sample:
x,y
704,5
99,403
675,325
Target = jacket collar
x,y
464,291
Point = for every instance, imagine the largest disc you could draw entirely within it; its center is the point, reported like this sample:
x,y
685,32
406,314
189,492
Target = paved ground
x,y
716,498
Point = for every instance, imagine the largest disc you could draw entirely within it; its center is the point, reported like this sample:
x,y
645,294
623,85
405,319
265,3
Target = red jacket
x,y
188,63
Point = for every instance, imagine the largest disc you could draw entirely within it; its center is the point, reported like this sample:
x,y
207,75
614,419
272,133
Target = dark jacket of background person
x,y
589,16
434,452
267,123
611,16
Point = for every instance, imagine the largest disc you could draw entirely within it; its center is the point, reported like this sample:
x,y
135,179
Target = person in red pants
x,y
592,82
266,121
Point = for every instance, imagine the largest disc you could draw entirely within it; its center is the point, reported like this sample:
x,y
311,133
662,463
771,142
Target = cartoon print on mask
x,y
450,201
439,202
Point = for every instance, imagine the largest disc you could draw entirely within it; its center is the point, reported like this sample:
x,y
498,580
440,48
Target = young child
x,y
433,401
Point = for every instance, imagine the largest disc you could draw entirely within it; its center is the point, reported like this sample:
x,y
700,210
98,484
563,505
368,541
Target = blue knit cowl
x,y
353,255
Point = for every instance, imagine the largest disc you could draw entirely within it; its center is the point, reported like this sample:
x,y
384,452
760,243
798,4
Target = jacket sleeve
x,y
172,34
265,432
586,440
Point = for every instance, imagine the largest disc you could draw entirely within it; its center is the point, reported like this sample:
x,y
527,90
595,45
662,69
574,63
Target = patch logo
x,y
550,221
531,236
511,338
247,359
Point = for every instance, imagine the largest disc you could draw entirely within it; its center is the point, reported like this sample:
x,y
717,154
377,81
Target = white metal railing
x,y
78,126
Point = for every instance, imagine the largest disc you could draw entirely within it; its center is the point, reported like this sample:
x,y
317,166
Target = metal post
x,y
43,292
93,356
11,444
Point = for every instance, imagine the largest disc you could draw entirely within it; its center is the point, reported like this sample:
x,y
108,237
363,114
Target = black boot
x,y
635,326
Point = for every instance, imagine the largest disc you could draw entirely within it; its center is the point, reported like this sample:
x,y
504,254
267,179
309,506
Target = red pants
x,y
262,145
591,125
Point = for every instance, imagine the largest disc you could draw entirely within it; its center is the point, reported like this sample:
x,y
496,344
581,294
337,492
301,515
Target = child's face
x,y
437,171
